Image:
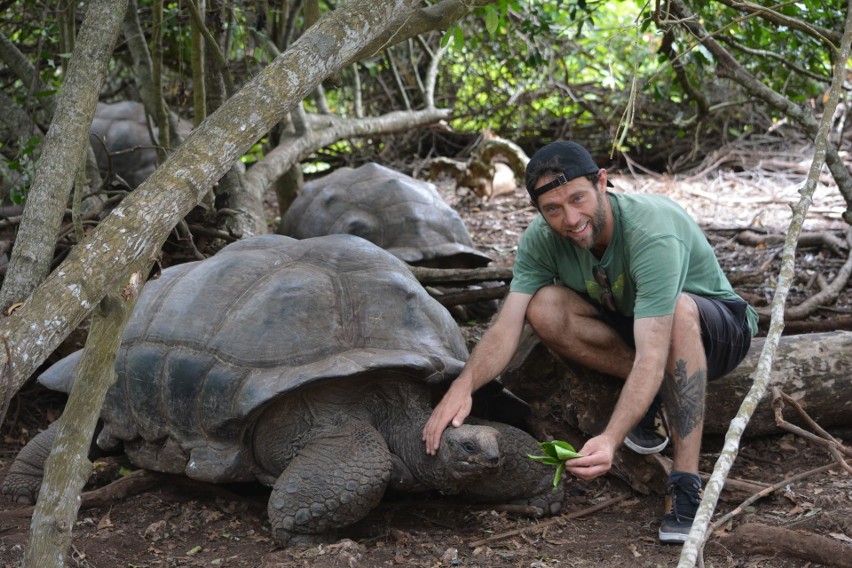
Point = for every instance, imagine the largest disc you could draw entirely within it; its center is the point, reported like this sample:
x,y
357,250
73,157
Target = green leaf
x,y
557,452
492,19
557,477
458,37
559,449
565,451
547,460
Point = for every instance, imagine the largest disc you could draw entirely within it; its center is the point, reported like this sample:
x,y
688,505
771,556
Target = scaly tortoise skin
x,y
307,365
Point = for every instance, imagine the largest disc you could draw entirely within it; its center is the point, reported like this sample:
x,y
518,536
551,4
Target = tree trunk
x,y
814,369
63,147
246,216
67,468
136,229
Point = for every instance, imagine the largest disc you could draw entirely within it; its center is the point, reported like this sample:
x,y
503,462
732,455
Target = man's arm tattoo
x,y
684,397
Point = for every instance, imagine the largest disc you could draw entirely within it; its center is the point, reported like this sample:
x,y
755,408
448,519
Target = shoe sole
x,y
643,450
672,537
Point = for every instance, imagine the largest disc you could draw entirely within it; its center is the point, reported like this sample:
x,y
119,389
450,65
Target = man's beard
x,y
598,221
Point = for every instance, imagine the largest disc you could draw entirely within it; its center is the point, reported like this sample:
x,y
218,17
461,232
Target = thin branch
x,y
720,522
829,294
432,76
698,533
539,526
782,60
397,79
821,438
213,47
781,20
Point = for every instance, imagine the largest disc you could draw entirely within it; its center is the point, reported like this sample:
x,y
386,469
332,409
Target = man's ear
x,y
602,180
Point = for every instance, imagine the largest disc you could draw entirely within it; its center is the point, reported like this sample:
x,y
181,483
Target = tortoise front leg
x,y
338,477
23,480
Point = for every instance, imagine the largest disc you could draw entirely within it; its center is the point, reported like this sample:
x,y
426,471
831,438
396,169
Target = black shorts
x,y
725,333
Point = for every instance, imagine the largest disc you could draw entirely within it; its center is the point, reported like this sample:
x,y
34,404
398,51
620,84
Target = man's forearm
x,y
490,357
498,345
636,396
653,336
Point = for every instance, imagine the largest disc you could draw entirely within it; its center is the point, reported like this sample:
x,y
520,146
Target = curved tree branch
x,y
779,19
325,129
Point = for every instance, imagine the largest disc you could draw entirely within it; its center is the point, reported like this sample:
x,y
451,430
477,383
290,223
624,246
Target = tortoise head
x,y
470,452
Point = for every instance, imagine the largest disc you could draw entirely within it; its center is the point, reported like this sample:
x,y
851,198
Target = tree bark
x,y
62,149
248,217
136,229
67,468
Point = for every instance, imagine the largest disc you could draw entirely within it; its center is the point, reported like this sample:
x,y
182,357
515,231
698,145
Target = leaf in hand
x,y
556,453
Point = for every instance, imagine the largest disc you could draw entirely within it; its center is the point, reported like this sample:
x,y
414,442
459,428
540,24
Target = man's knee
x,y
686,322
554,309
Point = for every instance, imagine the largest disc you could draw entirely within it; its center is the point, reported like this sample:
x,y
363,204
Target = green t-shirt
x,y
657,251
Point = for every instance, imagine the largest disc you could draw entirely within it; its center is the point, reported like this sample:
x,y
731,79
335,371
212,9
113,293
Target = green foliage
x,y
605,72
773,52
598,70
525,79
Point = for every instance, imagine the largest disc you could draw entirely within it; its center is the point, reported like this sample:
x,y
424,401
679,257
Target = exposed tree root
x,y
763,539
821,438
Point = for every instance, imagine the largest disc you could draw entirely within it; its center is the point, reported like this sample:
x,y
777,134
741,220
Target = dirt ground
x,y
193,525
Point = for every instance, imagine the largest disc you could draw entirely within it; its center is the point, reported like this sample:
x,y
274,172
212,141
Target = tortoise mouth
x,y
473,468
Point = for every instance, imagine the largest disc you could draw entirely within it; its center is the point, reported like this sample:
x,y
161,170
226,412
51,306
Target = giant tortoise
x,y
403,215
308,366
121,137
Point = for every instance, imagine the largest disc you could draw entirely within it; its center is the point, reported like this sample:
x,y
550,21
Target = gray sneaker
x,y
684,495
645,438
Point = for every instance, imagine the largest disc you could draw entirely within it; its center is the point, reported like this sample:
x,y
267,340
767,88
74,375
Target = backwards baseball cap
x,y
568,157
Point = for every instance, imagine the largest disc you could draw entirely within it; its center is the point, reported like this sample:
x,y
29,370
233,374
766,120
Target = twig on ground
x,y
554,520
821,438
822,239
767,491
825,296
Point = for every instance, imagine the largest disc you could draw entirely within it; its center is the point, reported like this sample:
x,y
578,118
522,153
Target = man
x,y
629,286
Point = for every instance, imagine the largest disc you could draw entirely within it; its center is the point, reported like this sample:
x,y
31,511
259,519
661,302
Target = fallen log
x,y
573,403
814,369
464,276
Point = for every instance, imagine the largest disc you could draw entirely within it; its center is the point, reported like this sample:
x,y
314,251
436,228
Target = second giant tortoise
x,y
403,215
121,138
308,366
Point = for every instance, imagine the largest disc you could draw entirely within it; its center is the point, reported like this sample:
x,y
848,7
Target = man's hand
x,y
598,453
454,407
